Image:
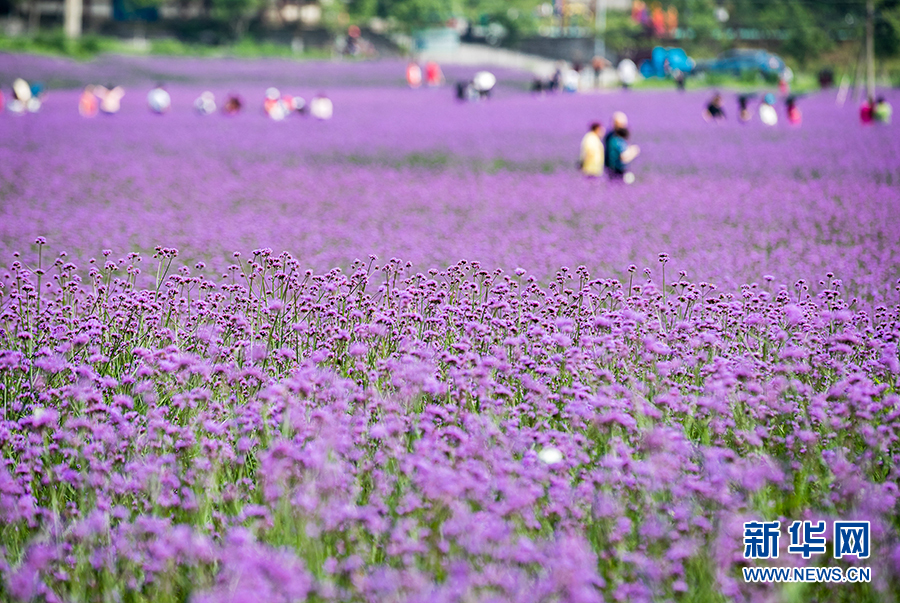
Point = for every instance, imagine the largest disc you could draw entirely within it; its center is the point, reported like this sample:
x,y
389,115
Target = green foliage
x,y
54,42
887,29
698,15
807,29
513,14
517,16
362,10
137,5
236,12
408,14
622,33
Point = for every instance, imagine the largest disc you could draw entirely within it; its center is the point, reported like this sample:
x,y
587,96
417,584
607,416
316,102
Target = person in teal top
x,y
618,154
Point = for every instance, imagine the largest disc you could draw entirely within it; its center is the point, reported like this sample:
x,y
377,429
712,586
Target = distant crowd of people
x,y
94,99
478,88
611,153
768,115
878,110
577,77
602,151
431,76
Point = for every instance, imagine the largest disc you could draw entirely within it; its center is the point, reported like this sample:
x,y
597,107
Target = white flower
x,y
551,456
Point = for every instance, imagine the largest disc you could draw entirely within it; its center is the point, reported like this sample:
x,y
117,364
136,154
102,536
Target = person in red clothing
x,y
866,111
433,74
793,113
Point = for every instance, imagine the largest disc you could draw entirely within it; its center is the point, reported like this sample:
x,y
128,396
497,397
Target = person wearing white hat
x,y
484,82
618,154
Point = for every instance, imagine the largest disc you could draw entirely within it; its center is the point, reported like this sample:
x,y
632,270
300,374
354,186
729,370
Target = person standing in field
x,y
88,103
159,100
627,71
744,113
591,157
23,99
413,75
714,110
484,82
882,111
110,98
205,103
618,154
865,110
767,113
232,105
794,115
321,107
273,106
598,63
433,74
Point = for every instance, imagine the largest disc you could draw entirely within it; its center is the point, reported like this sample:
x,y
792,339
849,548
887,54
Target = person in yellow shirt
x,y
591,157
882,111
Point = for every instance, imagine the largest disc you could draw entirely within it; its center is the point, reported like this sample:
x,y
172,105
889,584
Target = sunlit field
x,y
411,354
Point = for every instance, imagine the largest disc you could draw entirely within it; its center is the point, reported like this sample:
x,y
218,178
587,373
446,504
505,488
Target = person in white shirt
x,y
159,100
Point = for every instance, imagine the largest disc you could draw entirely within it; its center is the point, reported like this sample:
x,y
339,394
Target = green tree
x,y
515,15
236,12
622,33
887,28
698,16
808,27
409,14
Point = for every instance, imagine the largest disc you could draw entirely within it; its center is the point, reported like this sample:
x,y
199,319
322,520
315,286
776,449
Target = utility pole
x,y
72,10
600,28
870,49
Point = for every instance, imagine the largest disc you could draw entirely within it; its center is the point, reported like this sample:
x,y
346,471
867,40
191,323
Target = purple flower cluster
x,y
565,415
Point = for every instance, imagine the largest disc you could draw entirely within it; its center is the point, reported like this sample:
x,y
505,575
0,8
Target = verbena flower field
x,y
409,354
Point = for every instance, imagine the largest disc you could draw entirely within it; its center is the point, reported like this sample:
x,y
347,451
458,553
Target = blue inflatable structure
x,y
663,61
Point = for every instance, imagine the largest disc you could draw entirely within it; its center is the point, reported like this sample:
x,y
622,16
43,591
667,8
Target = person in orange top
x,y
658,19
88,103
671,20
